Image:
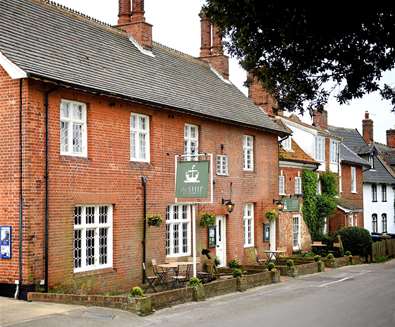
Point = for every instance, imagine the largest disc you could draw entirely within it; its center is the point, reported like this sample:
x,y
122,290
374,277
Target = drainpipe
x,y
20,226
46,220
144,180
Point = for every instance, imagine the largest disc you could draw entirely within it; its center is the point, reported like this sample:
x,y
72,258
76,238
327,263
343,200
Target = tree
x,y
302,54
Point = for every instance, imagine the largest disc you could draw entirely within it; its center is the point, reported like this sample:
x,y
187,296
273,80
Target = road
x,y
350,296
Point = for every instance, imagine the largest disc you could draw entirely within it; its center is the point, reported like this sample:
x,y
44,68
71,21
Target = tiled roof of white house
x,y
56,44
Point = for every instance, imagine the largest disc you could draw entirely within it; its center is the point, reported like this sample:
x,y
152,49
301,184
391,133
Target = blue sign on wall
x,y
5,242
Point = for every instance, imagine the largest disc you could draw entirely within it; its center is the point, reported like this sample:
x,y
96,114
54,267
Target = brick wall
x,y
108,177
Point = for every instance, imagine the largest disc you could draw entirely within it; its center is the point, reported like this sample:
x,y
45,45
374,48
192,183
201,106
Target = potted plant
x,y
154,220
330,261
143,304
241,280
271,215
234,263
198,289
207,219
291,269
320,264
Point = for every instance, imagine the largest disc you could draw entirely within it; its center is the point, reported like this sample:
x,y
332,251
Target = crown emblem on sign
x,y
192,175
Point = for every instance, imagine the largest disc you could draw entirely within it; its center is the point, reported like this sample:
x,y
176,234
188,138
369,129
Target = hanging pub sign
x,y
192,179
5,242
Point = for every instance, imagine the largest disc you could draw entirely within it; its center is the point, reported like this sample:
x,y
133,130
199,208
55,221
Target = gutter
x,y
46,173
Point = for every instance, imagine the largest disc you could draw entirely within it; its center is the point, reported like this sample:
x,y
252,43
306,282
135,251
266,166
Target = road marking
x,y
335,282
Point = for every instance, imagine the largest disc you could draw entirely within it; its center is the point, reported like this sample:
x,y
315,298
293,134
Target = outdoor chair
x,y
259,260
182,276
160,273
150,279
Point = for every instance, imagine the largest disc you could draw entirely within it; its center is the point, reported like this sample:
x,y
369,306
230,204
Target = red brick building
x,y
88,110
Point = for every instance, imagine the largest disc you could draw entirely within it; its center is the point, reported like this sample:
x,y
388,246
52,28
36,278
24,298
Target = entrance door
x,y
221,240
273,235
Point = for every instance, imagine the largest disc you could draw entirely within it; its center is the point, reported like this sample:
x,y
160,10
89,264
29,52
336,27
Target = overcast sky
x,y
177,25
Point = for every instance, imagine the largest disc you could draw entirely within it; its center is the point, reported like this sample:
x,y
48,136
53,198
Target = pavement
x,y
350,296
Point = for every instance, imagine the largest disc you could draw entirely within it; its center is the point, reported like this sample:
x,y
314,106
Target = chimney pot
x,y
367,129
391,138
134,23
320,118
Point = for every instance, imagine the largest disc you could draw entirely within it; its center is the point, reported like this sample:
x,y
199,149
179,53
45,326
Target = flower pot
x,y
143,306
241,283
321,266
292,271
275,274
198,293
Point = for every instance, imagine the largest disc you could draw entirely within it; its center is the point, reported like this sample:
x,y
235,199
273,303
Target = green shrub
x,y
381,258
234,263
194,282
330,256
271,266
207,219
237,272
357,240
347,253
290,263
329,183
317,258
137,292
309,254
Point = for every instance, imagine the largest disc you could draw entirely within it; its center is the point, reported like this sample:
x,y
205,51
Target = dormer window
x,y
371,162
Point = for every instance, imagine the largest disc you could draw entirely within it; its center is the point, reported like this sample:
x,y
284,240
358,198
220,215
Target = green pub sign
x,y
192,179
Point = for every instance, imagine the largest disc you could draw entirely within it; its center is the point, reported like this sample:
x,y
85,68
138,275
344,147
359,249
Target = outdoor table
x,y
173,266
273,255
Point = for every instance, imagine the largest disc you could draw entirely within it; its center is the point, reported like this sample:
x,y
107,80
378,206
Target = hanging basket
x,y
207,219
154,220
271,215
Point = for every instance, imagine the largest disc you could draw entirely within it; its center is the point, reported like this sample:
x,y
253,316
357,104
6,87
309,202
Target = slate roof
x,y
387,153
349,156
297,155
352,139
349,204
54,43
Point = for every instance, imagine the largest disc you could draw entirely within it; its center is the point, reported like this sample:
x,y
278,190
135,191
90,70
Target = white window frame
x,y
353,179
189,140
84,226
71,120
340,184
281,184
375,223
248,225
175,217
298,185
319,148
334,151
287,144
298,240
384,194
384,230
136,135
222,165
248,153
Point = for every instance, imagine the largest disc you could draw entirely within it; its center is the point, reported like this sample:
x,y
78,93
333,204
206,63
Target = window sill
x,y
98,271
249,246
74,156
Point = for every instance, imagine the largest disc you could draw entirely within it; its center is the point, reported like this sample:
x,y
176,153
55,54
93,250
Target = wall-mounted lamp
x,y
279,204
229,205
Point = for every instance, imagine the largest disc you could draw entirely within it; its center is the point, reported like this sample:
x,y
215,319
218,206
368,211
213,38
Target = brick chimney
x,y
261,97
391,138
211,49
320,118
367,128
133,22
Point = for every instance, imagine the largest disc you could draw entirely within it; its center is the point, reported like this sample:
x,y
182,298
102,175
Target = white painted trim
x,y
348,210
140,48
219,75
291,164
12,70
297,125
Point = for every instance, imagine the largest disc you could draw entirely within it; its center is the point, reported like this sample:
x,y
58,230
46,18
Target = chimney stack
x,y
133,22
260,97
211,49
391,138
320,118
367,129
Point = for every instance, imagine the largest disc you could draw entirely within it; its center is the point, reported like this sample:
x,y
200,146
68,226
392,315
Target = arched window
x,y
384,222
374,223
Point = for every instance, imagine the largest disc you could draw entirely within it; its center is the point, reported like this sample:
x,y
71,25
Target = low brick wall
x,y
263,278
117,302
220,287
307,268
171,297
